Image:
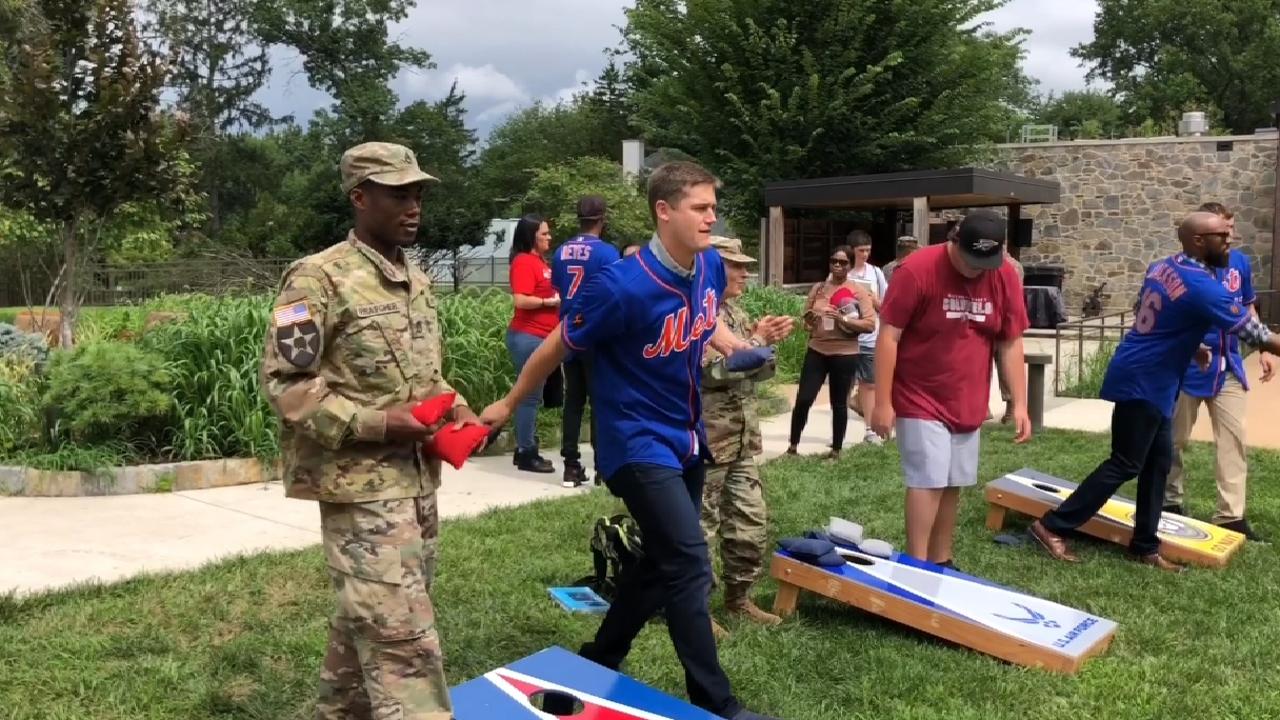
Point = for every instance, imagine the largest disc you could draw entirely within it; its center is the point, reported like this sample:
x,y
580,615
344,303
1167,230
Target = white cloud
x,y
1055,27
485,83
583,82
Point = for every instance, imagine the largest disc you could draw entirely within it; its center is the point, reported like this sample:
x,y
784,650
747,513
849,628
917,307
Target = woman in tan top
x,y
833,348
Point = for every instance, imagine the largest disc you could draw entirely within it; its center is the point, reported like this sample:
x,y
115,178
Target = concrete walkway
x,y
58,542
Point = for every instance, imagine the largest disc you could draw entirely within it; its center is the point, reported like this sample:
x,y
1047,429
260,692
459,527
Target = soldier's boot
x,y
718,631
738,603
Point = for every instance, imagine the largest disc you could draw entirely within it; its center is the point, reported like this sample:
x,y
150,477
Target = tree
x,y
544,135
774,89
217,65
555,190
1083,115
1164,57
81,123
346,53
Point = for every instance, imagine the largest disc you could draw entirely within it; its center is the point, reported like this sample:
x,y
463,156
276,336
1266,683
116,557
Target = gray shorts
x,y
865,370
933,457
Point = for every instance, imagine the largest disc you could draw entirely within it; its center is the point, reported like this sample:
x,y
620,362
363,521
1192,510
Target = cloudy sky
x,y
491,47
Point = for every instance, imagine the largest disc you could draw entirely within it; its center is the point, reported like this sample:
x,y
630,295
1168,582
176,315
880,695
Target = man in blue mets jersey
x,y
1181,300
576,261
646,320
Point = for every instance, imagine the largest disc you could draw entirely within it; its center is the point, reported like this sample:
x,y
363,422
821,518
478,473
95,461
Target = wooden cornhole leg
x,y
995,517
784,604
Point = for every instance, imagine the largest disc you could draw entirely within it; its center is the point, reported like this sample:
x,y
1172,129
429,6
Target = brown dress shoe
x,y
1157,561
1053,544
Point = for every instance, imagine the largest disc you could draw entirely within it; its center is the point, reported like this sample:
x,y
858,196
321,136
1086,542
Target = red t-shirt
x,y
530,275
950,326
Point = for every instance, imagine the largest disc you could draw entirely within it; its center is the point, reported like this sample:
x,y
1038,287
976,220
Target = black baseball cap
x,y
981,238
591,207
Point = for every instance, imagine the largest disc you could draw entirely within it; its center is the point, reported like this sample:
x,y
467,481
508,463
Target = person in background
x,y
946,313
1222,387
832,355
630,250
575,262
907,244
536,315
869,277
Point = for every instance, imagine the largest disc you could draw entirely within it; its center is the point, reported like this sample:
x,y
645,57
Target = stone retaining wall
x,y
166,477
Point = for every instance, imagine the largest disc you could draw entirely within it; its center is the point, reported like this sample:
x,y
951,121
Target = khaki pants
x,y
383,660
1226,411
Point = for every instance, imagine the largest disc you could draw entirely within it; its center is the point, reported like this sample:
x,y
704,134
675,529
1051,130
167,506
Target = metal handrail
x,y
1101,324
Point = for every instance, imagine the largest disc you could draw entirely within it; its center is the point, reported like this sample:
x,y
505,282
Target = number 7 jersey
x,y
1181,299
574,262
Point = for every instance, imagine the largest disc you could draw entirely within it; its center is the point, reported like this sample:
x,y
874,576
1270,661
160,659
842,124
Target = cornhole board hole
x,y
1183,539
555,683
963,609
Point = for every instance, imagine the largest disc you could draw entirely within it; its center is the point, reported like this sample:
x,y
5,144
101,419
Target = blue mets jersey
x,y
1180,301
577,260
647,327
1237,278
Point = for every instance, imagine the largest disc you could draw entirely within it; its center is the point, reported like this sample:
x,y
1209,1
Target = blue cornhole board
x,y
502,693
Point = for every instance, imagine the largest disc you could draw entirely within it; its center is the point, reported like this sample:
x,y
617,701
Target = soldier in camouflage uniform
x,y
733,505
353,343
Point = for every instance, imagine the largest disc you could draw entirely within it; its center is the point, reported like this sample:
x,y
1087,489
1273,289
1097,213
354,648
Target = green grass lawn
x,y
243,639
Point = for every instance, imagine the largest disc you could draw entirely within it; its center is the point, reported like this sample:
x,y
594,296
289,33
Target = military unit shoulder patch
x,y
297,336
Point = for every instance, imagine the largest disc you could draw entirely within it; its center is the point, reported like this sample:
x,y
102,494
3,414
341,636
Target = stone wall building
x,y
1122,200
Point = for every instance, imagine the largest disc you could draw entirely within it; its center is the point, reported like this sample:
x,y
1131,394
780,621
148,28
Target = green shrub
x,y
109,392
22,346
110,324
1084,379
8,316
761,301
213,357
21,414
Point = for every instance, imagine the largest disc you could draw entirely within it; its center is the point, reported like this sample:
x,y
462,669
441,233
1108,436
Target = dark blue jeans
x,y
675,574
1142,447
521,345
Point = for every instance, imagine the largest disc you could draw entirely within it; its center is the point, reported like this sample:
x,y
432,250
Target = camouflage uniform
x,y
733,504
352,335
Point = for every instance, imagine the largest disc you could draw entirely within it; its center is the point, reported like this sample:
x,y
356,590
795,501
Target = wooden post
x,y
1036,363
777,241
1011,230
920,220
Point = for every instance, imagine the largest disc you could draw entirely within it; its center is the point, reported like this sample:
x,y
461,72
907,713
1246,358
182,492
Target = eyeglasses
x,y
839,261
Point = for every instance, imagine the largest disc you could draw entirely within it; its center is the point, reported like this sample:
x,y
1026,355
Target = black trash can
x,y
1044,275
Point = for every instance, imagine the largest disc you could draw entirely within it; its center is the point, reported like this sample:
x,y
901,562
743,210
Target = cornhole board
x,y
963,609
1182,539
566,683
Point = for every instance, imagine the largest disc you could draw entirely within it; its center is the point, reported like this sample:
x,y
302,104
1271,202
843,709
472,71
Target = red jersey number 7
x,y
577,271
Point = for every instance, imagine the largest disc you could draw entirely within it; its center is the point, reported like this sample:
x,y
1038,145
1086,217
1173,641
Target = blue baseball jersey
x,y
577,260
647,327
1181,300
1237,278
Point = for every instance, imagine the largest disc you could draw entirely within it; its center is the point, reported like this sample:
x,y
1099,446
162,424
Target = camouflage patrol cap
x,y
383,163
730,249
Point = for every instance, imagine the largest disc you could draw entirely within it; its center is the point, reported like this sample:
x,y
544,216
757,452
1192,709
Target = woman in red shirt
x,y
537,312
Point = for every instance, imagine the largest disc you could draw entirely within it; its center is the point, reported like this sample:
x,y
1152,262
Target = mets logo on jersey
x,y
678,334
1232,281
